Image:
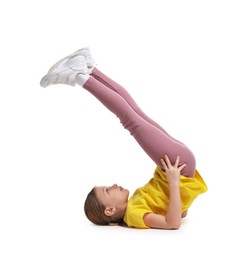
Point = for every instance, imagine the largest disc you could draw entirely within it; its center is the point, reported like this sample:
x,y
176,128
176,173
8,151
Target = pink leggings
x,y
153,139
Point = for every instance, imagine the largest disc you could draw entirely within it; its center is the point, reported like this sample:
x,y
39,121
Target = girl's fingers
x,y
163,164
177,161
182,167
167,164
167,160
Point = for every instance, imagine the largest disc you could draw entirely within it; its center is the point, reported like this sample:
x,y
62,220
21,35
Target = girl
x,y
165,199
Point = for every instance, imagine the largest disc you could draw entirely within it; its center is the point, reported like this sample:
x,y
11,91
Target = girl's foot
x,y
66,70
88,58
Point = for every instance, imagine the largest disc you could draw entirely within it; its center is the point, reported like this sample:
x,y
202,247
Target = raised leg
x,y
107,81
153,140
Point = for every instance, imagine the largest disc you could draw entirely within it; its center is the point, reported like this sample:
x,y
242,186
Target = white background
x,y
187,65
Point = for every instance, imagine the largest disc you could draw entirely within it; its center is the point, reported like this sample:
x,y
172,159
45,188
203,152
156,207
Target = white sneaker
x,y
88,58
66,70
84,52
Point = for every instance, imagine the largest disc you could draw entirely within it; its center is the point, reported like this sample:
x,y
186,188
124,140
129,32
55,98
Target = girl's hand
x,y
172,172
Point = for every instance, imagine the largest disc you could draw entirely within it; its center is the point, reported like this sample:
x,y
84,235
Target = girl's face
x,y
112,196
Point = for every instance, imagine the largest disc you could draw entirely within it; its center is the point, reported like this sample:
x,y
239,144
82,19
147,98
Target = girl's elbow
x,y
175,226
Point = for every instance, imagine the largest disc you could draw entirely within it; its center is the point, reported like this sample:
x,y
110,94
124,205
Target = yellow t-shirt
x,y
154,197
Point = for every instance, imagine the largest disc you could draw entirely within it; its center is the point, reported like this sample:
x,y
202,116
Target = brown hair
x,y
94,211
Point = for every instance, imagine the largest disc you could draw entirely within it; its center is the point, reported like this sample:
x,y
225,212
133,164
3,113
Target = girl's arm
x,y
172,220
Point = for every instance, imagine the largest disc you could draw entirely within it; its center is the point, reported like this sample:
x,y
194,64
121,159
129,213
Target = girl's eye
x,y
107,189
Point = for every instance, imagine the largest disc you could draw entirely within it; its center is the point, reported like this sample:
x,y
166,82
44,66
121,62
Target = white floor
x,y
187,65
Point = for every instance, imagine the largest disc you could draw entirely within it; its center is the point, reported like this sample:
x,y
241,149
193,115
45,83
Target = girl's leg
x,y
100,76
153,140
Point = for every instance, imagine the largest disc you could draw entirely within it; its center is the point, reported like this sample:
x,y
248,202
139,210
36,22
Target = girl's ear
x,y
109,211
